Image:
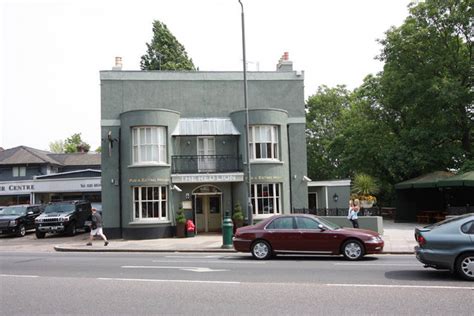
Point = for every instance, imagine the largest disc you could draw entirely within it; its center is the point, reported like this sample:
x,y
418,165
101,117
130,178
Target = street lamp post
x,y
249,181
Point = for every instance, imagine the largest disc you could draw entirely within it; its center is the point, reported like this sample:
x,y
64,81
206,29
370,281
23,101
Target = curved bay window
x,y
266,199
149,145
150,203
263,142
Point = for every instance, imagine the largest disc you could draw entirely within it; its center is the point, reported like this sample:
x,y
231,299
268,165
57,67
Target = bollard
x,y
227,229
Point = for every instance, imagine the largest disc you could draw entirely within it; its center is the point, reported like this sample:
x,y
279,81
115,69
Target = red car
x,y
307,234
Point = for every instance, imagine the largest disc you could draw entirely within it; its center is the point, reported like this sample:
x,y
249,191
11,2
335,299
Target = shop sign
x,y
147,180
14,188
208,178
267,178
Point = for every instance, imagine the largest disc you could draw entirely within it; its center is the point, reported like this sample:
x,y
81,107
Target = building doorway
x,y
207,200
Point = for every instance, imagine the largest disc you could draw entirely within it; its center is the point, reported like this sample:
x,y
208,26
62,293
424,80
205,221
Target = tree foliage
x,y
56,147
323,110
165,52
414,117
75,144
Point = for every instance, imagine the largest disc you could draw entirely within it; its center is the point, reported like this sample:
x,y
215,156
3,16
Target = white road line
x,y
404,286
19,276
192,257
171,281
193,269
380,264
210,261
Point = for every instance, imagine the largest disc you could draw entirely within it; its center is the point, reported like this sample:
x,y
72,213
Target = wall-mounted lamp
x,y
335,197
306,179
175,187
188,196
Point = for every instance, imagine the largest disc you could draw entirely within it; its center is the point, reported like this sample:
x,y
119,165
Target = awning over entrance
x,y
429,180
465,179
205,126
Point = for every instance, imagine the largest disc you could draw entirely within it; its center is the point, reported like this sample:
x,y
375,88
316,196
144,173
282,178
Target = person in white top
x,y
353,214
349,211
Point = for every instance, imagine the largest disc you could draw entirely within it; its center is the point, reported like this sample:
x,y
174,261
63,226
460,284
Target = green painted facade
x,y
157,98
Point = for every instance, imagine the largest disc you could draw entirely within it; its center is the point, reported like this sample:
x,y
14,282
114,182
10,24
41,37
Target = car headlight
x,y
12,223
375,239
64,219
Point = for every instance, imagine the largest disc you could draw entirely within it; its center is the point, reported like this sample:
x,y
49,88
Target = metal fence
x,y
335,211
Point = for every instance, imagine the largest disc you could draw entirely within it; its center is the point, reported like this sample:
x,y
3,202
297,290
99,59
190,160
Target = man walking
x,y
96,228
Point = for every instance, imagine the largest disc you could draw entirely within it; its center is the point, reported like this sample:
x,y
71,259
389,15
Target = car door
x,y
30,218
313,238
282,234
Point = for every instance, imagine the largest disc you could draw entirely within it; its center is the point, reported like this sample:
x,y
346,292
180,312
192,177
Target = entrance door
x,y
208,213
206,153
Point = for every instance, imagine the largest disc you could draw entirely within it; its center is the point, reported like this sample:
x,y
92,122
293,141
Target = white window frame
x,y
19,172
140,201
149,141
260,136
275,199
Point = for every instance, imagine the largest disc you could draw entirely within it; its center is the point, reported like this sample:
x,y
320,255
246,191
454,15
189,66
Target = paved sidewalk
x,y
398,239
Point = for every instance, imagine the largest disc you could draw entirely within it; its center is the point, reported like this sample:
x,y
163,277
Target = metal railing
x,y
334,211
206,163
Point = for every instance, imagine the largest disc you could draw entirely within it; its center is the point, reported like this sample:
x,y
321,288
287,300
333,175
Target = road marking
x,y
173,281
380,264
192,257
405,286
210,261
19,276
192,269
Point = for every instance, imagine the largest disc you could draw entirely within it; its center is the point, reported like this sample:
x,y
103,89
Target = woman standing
x,y
355,211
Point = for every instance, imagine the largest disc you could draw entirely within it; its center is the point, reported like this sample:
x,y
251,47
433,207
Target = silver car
x,y
448,244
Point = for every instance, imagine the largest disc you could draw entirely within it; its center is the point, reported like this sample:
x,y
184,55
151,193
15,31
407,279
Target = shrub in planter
x,y
238,216
180,223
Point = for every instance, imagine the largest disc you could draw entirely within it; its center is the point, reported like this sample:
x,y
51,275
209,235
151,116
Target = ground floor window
x,y
266,198
150,203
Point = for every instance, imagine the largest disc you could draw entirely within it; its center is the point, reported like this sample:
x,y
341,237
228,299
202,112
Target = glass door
x,y
206,154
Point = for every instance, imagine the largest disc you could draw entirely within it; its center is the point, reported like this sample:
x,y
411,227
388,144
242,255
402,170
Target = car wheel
x,y
71,229
353,250
40,235
261,250
21,231
465,266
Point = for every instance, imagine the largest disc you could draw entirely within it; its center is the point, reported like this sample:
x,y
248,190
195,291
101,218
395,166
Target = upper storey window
x,y
263,142
19,171
149,144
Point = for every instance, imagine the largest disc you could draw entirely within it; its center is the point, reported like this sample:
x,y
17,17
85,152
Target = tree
x,y
426,84
75,144
56,146
165,52
323,110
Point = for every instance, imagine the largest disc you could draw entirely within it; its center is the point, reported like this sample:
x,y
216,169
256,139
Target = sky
x,y
51,51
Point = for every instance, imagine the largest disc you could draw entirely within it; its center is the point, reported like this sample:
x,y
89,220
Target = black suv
x,y
63,217
17,219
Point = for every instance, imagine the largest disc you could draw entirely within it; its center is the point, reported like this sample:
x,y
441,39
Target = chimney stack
x,y
284,64
118,63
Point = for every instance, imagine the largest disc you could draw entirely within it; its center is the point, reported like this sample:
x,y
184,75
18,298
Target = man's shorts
x,y
97,231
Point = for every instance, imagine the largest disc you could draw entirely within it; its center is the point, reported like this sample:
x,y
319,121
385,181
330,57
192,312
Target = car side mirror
x,y
321,226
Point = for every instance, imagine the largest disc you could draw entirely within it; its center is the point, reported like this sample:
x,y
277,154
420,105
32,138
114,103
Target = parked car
x,y
449,245
17,219
298,233
63,217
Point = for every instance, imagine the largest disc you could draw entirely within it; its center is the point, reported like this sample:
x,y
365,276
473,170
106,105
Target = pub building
x,y
177,139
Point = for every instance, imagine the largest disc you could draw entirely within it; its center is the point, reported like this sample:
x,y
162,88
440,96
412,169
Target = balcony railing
x,y
206,164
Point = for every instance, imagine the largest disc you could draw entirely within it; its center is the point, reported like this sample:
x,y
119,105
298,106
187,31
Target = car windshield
x,y
13,210
59,208
328,224
450,220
